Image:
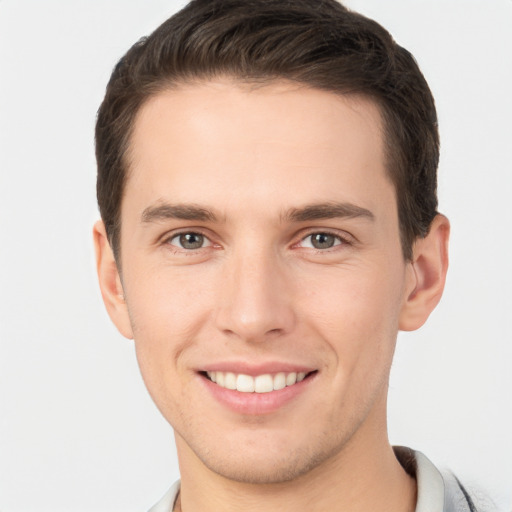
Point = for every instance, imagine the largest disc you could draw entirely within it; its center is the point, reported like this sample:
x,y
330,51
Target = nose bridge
x,y
255,299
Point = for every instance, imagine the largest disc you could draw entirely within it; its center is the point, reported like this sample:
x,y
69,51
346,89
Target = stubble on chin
x,y
269,466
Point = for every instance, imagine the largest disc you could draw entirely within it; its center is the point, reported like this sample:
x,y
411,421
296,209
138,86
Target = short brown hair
x,y
321,44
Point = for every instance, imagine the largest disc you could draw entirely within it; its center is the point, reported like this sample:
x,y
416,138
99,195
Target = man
x,y
267,188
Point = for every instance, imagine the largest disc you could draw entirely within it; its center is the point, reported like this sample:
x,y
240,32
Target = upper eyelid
x,y
325,232
165,241
343,236
176,235
341,241
169,235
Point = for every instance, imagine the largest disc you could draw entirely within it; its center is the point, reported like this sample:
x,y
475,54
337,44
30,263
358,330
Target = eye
x,y
190,241
321,241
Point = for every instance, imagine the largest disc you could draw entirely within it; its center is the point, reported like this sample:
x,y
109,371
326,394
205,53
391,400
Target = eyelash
x,y
183,250
339,241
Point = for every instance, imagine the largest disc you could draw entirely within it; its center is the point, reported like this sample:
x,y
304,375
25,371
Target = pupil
x,y
322,241
191,240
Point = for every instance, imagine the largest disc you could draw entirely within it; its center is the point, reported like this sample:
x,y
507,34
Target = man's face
x,y
260,242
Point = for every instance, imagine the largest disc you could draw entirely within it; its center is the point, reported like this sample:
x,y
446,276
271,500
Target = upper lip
x,y
255,369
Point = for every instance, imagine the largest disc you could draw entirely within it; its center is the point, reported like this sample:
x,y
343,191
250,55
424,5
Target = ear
x,y
426,275
110,281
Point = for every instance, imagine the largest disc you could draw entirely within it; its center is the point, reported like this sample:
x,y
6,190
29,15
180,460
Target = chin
x,y
261,463
250,471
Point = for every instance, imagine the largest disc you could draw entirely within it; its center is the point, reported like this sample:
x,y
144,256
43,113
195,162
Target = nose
x,y
255,297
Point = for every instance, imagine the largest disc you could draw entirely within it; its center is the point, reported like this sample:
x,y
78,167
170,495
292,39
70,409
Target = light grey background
x,y
78,431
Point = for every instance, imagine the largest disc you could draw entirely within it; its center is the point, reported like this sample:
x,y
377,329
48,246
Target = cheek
x,y
357,314
167,311
358,320
167,302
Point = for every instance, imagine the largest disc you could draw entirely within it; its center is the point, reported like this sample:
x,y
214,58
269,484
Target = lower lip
x,y
256,403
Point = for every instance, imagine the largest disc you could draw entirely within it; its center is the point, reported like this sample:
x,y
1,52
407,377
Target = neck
x,y
364,475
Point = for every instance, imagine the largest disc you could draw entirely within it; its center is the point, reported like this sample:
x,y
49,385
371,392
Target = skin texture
x,y
258,293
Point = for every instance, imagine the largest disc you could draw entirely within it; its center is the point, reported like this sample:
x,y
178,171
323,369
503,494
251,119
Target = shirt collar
x,y
430,483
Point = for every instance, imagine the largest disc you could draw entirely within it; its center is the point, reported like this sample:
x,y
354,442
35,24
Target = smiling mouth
x,y
265,383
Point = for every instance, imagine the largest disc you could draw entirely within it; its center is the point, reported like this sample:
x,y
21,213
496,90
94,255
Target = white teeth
x,y
230,381
291,379
263,384
279,381
259,384
245,383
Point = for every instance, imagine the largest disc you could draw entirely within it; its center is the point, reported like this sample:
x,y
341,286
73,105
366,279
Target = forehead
x,y
222,142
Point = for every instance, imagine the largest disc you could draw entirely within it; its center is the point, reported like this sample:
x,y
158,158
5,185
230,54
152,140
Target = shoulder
x,y
461,497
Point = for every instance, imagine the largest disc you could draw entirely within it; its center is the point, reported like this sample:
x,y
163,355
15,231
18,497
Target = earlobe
x,y
110,281
426,275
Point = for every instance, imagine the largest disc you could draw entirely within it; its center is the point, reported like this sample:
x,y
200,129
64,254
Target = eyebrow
x,y
317,211
165,211
330,210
